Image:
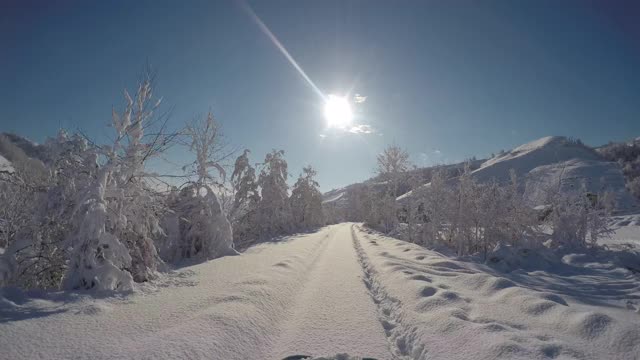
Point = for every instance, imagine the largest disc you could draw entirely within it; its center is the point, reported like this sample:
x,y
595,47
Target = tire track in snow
x,y
332,312
401,342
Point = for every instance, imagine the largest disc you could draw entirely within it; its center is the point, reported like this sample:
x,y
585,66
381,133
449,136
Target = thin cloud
x,y
358,99
362,129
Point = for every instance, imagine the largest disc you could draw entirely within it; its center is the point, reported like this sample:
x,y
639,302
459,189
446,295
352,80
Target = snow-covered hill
x,y
524,158
595,176
554,161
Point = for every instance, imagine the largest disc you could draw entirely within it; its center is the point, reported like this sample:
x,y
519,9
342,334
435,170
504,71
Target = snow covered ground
x,y
5,165
303,295
626,232
338,290
439,308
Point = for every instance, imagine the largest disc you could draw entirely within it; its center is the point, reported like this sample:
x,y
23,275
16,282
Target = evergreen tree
x,y
306,201
274,214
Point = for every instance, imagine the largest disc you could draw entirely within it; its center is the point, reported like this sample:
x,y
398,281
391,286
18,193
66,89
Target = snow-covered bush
x,y
577,219
473,217
36,218
196,226
306,201
99,260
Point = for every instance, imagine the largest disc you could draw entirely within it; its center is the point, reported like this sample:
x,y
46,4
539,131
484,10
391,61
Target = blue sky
x,y
446,80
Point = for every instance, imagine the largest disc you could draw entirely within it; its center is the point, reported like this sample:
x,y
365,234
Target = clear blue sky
x,y
445,79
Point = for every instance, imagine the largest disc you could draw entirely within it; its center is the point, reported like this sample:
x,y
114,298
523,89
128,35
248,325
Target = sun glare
x,y
337,111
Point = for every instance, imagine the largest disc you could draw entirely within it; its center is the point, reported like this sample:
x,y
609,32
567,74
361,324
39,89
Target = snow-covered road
x,y
339,290
303,295
333,313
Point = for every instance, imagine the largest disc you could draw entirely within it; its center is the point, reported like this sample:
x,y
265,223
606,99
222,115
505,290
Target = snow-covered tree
x,y
118,207
244,211
99,260
36,218
578,218
358,202
435,209
197,226
274,213
393,164
245,186
306,201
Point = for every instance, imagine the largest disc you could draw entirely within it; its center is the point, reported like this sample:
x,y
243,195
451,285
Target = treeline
x,y
80,215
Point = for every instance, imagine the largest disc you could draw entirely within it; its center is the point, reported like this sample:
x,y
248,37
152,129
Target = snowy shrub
x,y
578,219
36,218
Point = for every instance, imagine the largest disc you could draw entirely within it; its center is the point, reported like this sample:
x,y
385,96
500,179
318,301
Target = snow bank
x,y
626,232
435,307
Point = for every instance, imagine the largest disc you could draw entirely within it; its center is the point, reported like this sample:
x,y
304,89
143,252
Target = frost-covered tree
x,y
393,164
578,218
99,260
435,209
274,213
118,208
36,217
245,185
243,214
197,226
358,202
306,201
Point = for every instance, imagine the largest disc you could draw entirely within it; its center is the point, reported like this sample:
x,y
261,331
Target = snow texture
x,y
5,166
340,290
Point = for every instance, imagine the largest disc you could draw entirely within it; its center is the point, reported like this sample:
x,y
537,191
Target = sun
x,y
337,111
